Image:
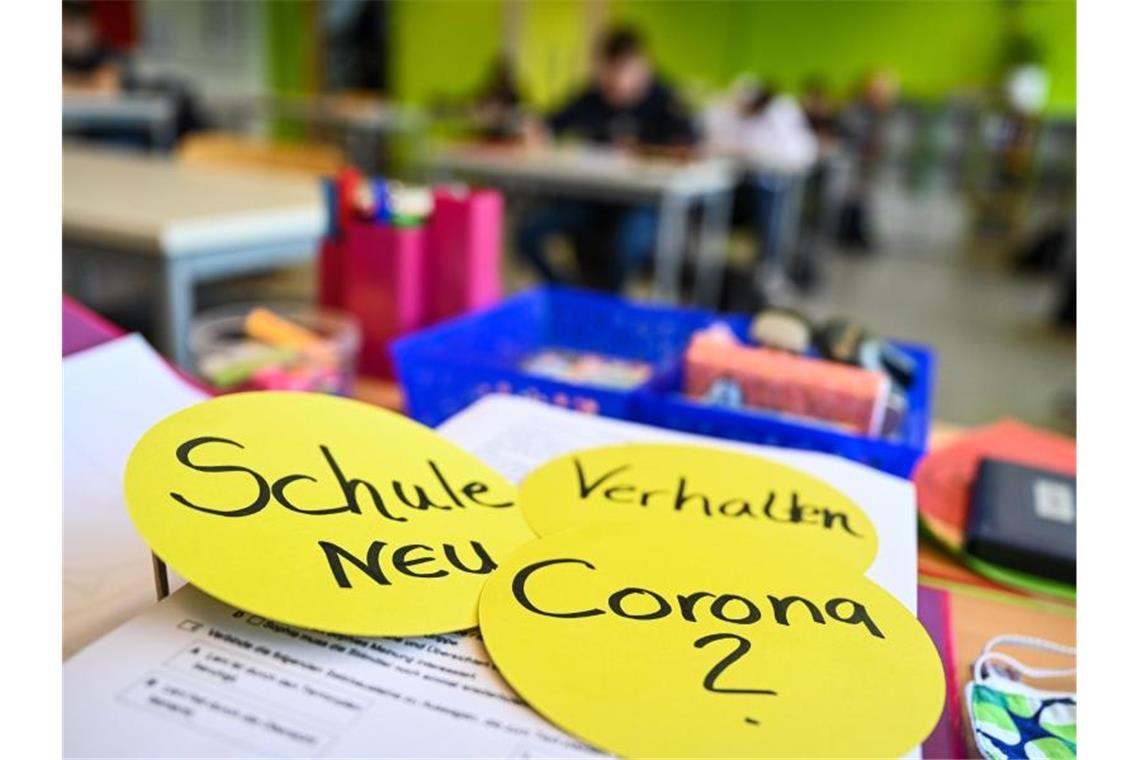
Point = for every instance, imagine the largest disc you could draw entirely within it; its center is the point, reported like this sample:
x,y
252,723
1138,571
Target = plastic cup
x,y
227,358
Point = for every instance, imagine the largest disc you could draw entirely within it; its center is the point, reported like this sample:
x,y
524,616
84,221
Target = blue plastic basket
x,y
662,403
445,368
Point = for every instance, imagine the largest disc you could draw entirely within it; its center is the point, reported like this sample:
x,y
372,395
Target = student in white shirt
x,y
753,123
765,132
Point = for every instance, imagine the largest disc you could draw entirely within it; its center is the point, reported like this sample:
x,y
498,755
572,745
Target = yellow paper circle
x,y
642,639
699,484
322,512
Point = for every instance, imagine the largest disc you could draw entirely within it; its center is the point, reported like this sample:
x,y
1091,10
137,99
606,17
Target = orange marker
x,y
263,325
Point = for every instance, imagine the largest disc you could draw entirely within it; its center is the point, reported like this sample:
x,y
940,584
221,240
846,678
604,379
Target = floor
x,y
929,281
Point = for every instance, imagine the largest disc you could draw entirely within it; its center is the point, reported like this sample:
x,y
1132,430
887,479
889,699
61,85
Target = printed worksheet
x,y
193,677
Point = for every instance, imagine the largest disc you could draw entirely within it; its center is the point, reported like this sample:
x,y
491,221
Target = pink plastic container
x,y
383,287
464,238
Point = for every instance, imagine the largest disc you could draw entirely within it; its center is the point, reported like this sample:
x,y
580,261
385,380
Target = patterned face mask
x,y
1011,719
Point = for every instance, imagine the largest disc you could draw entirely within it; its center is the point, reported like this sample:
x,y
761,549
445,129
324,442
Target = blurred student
x,y
628,107
819,109
755,123
498,102
864,125
767,131
1014,132
89,65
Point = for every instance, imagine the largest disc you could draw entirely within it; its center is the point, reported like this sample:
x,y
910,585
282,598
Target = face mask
x,y
1011,719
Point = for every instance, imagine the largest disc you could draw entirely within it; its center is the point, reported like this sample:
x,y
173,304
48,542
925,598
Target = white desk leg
x,y
174,307
712,254
672,214
782,229
792,211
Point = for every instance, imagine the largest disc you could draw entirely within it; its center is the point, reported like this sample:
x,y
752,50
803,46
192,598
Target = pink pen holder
x,y
397,279
330,273
383,287
463,251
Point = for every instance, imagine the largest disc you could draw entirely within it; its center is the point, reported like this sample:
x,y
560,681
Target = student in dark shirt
x,y
497,112
627,107
88,64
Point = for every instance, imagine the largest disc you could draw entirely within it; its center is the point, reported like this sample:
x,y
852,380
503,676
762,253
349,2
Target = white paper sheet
x,y
112,394
195,677
514,435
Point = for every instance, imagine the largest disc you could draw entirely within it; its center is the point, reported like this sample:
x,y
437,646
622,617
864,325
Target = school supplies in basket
x,y
587,368
808,388
283,348
444,368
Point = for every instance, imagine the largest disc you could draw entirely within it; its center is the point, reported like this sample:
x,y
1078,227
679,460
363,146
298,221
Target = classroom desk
x,y
152,115
977,615
674,187
183,225
360,123
361,112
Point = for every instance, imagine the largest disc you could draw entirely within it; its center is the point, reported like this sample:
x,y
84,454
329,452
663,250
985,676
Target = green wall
x,y
933,45
1055,24
443,48
291,56
290,40
554,50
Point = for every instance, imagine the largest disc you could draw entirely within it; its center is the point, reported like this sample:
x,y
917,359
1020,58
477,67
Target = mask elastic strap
x,y
1028,642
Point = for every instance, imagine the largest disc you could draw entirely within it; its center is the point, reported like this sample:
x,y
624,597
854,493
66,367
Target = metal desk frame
x,y
175,277
674,197
153,114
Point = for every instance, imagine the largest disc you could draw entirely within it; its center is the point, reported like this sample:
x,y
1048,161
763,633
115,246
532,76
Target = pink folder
x,y
83,328
948,738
